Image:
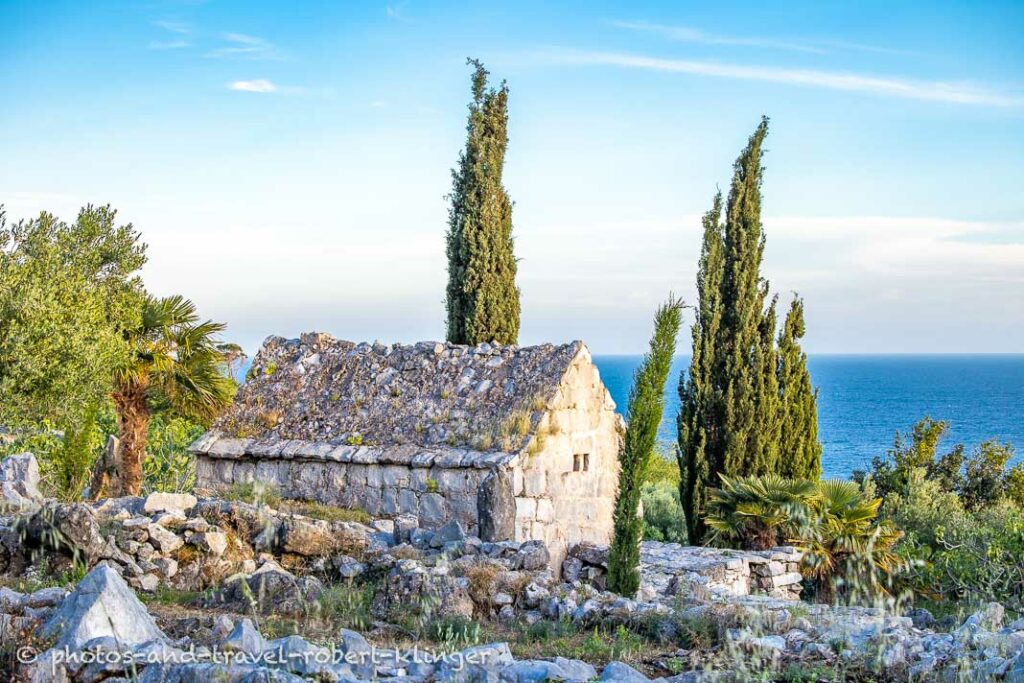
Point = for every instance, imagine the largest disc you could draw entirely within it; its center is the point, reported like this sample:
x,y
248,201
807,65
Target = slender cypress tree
x,y
734,399
740,342
482,296
700,402
646,402
799,448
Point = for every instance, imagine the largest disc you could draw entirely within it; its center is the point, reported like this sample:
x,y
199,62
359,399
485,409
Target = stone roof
x,y
326,398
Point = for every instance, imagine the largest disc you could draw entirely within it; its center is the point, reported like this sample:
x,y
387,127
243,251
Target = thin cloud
x,y
686,34
259,85
245,46
397,11
178,28
936,91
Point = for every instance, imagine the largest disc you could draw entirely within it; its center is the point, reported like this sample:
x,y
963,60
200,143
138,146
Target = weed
x,y
270,368
354,439
431,485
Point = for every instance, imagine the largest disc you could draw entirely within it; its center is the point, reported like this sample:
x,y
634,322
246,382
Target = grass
x,y
254,492
328,513
267,494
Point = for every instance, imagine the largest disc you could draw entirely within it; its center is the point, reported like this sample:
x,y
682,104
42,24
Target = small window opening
x,y
581,462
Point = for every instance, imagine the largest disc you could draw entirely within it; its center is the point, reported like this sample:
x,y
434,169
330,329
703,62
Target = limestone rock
x,y
101,605
168,502
496,506
19,481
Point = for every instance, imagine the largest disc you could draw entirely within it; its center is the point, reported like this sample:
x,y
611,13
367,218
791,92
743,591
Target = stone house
x,y
516,443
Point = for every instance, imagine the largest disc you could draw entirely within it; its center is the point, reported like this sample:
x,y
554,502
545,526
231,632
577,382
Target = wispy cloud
x,y
180,31
246,47
687,34
691,35
260,85
396,11
937,91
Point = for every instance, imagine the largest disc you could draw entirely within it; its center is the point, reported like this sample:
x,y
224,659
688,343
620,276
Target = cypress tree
x,y
482,297
741,354
800,450
646,402
700,402
737,399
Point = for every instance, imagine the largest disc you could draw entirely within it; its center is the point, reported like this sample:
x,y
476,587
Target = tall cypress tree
x,y
700,402
482,296
646,402
799,448
733,399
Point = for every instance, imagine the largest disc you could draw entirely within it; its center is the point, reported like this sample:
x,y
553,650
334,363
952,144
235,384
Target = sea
x,y
864,400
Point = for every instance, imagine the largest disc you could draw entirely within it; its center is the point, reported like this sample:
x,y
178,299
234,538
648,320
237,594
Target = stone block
x,y
432,510
526,510
408,502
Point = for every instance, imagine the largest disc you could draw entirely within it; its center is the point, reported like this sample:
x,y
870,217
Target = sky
x,y
288,163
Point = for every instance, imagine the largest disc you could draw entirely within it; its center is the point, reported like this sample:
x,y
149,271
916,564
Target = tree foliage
x,y
66,293
746,403
799,448
482,296
646,402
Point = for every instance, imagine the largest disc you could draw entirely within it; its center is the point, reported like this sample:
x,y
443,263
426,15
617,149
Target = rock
x,y
19,481
47,597
451,532
349,567
404,526
163,540
297,655
617,671
317,538
534,595
590,553
69,527
245,638
271,590
921,617
988,618
11,601
222,627
571,569
168,502
534,555
212,542
496,508
167,566
148,582
356,652
101,605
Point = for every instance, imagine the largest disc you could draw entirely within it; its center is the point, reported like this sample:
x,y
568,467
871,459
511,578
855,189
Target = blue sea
x,y
864,400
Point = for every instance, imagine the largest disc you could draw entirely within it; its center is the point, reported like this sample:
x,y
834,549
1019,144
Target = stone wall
x,y
565,481
434,494
670,570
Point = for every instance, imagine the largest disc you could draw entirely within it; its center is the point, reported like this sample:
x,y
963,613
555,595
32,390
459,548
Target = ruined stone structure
x,y
516,443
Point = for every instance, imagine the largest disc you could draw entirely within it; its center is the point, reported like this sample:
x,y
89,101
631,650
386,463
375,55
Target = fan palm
x,y
757,513
847,541
174,359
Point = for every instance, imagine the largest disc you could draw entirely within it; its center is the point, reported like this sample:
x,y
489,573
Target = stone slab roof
x,y
323,398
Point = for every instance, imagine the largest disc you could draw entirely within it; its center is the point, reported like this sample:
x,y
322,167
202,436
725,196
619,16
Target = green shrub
x,y
663,514
168,465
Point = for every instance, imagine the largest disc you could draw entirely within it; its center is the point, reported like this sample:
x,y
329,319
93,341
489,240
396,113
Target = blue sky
x,y
287,162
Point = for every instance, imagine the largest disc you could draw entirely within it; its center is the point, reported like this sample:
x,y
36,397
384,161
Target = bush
x,y
168,465
663,514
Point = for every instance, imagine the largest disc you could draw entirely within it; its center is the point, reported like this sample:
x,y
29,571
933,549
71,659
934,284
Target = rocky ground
x,y
171,588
